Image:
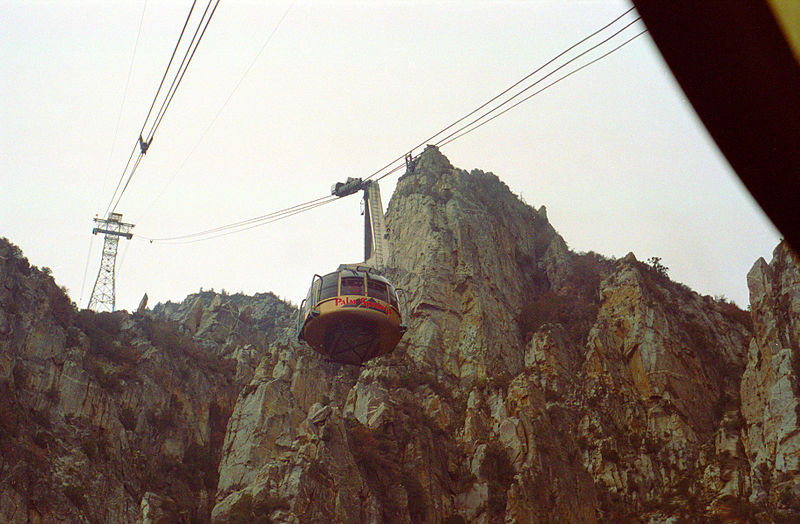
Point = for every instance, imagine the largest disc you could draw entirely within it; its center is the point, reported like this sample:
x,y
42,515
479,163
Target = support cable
x,y
169,64
176,82
124,98
445,140
269,217
144,144
133,170
244,225
538,69
153,103
223,106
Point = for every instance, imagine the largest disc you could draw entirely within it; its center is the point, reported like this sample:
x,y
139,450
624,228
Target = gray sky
x,y
342,88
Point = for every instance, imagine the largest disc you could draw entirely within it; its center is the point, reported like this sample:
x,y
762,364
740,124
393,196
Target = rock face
x,y
534,384
771,383
113,417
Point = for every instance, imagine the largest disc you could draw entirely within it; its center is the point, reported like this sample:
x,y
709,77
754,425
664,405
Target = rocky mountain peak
x,y
470,254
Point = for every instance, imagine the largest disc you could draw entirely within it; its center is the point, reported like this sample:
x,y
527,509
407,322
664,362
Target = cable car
x,y
351,315
355,314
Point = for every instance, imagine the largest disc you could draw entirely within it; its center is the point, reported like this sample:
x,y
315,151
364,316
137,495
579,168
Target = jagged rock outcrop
x,y
238,326
470,254
770,386
534,384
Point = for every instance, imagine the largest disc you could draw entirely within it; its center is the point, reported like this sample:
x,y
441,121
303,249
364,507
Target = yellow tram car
x,y
355,314
351,316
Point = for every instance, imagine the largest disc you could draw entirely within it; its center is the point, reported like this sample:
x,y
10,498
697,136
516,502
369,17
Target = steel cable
x,y
176,81
562,53
542,89
223,106
452,136
153,103
240,227
444,140
269,217
244,225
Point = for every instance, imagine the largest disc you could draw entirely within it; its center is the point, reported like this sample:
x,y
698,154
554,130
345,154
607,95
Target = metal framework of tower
x,y
375,238
103,291
374,227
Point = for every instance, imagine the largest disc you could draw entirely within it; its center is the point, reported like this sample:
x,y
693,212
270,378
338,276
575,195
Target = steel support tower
x,y
376,241
375,249
103,291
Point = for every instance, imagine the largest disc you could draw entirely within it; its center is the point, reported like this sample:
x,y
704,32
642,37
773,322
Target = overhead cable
x,y
133,170
182,68
454,135
445,140
244,225
124,98
526,77
144,143
169,65
458,132
152,104
223,106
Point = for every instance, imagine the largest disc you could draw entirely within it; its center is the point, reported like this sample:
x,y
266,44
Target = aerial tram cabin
x,y
355,314
351,315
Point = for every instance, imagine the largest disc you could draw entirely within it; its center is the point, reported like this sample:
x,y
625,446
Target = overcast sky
x,y
615,152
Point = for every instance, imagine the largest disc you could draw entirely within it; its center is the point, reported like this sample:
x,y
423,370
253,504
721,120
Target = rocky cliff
x,y
117,417
534,384
770,386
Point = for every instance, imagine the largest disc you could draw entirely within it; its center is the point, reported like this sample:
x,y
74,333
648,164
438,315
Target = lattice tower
x,y
103,291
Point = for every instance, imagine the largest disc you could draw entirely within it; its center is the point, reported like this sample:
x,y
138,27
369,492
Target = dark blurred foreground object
x,y
738,61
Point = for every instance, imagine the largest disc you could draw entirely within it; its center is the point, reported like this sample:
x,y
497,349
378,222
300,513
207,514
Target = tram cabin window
x,y
330,286
393,298
352,286
377,289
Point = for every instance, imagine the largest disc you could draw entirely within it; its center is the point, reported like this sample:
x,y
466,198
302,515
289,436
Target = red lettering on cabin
x,y
370,303
347,302
362,302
